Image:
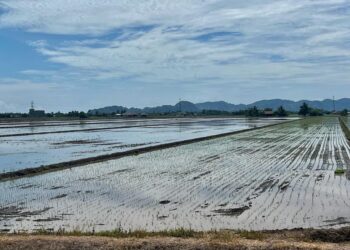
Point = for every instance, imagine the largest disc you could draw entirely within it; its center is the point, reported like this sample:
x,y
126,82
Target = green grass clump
x,y
179,232
121,233
339,171
251,235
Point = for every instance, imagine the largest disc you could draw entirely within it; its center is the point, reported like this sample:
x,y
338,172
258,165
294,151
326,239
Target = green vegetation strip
x,y
339,171
80,162
323,235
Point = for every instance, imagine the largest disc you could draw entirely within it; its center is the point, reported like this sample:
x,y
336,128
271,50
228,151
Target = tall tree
x,y
344,112
304,109
281,112
254,111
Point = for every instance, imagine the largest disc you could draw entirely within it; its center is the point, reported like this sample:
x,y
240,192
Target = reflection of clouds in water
x,y
53,148
191,184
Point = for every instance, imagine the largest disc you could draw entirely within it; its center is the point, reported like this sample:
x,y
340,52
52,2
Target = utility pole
x,y
32,105
333,104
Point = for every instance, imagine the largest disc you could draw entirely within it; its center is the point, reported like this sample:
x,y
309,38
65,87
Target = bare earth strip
x,y
273,178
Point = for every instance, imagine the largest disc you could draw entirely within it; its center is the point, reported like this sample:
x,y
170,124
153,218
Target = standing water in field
x,y
25,145
273,178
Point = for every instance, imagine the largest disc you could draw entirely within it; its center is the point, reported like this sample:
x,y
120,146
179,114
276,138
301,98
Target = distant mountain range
x,y
185,106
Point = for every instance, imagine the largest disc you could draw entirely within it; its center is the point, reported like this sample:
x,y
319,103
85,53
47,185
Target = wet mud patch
x,y
284,185
56,187
126,170
87,179
29,186
77,142
132,145
295,152
25,186
223,204
209,159
316,151
49,219
59,196
17,212
108,143
201,175
231,211
205,205
338,221
268,184
162,217
319,177
264,186
164,202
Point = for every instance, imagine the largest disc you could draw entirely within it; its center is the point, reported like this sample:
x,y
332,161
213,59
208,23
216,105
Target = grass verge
x,y
306,235
120,233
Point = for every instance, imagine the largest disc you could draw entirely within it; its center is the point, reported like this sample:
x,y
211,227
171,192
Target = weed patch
x,y
339,171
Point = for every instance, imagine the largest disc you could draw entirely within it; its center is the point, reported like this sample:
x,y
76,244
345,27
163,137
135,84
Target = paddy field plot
x,y
29,145
273,178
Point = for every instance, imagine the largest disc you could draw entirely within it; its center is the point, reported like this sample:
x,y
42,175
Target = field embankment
x,y
184,239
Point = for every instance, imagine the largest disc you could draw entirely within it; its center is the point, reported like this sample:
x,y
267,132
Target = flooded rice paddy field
x,y
91,125
273,178
26,145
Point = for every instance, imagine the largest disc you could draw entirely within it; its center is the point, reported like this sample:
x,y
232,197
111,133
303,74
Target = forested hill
x,y
185,106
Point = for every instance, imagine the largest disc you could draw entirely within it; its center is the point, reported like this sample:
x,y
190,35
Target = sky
x,y
82,54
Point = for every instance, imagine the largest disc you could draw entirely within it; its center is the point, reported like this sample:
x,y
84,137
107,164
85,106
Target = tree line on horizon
x,y
305,110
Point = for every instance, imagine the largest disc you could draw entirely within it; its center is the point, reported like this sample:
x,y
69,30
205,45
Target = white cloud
x,y
93,16
6,107
14,85
34,72
338,36
189,42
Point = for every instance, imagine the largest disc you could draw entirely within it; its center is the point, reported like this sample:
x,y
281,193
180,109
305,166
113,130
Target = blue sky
x,y
82,54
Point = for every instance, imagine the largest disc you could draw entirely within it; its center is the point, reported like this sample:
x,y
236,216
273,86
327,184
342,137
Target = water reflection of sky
x,y
20,152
